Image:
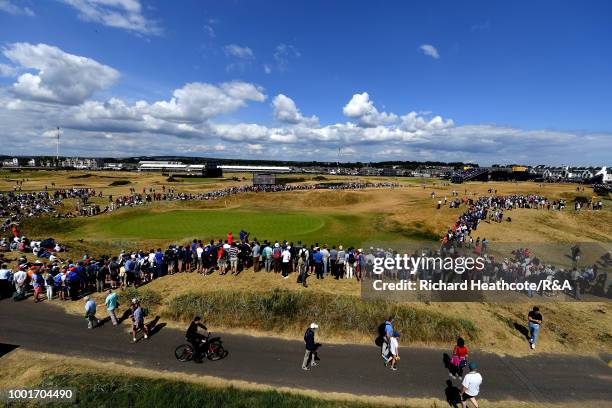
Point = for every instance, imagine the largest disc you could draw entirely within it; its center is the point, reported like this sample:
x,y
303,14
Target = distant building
x,y
175,167
555,173
81,163
114,166
389,172
580,173
369,171
252,169
14,162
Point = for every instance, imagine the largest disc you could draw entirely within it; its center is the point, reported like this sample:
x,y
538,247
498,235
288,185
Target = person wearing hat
x,y
286,261
90,312
340,263
310,355
138,320
19,279
470,386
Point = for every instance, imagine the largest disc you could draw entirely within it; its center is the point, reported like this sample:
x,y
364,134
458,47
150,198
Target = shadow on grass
x,y
522,329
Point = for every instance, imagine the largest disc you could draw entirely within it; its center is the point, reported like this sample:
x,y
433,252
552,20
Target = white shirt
x,y
20,276
5,274
472,381
325,253
286,255
393,345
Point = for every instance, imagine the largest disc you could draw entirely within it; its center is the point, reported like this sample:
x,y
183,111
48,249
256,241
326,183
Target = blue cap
x,y
472,365
396,334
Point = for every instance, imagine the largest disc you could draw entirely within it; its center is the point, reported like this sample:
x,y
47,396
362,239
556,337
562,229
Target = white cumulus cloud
x,y
196,102
286,111
362,109
60,77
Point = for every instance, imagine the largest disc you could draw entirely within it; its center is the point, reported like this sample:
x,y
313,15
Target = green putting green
x,y
211,224
179,226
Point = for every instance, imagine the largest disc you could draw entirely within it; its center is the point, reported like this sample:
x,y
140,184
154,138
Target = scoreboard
x,y
264,179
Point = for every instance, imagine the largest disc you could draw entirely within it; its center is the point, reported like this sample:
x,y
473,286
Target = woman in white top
x,y
394,350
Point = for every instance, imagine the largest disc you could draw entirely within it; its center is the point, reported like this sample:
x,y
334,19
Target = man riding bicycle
x,y
196,339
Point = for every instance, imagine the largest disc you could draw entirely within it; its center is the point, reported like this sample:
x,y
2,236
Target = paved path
x,y
356,369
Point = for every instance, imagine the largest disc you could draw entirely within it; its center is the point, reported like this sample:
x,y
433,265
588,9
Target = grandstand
x,y
470,174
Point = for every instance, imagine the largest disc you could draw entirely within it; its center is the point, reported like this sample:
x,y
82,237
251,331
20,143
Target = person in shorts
x,y
394,351
138,320
470,386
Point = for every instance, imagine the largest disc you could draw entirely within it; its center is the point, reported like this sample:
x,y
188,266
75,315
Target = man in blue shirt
x,y
138,320
90,313
318,260
159,259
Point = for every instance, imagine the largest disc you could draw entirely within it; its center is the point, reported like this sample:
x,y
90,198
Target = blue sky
x,y
510,81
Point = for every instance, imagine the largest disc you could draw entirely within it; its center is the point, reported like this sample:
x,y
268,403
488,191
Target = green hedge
x,y
282,310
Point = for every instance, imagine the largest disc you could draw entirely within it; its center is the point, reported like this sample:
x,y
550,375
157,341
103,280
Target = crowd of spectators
x,y
15,206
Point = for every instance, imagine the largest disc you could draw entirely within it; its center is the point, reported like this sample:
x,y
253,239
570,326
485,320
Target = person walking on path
x,y
112,302
90,313
310,355
138,320
394,351
534,318
386,333
470,386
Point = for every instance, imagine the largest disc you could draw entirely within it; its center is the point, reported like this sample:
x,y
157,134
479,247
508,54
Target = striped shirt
x,y
232,252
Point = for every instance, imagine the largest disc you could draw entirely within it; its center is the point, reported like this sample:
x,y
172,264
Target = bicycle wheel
x,y
184,352
216,352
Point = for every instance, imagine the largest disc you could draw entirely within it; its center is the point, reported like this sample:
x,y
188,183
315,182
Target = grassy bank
x,y
102,390
287,311
119,387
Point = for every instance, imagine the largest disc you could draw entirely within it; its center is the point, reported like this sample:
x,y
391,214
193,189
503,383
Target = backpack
x,y
381,329
277,253
351,258
381,334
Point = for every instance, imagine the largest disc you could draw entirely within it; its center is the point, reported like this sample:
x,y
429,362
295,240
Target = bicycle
x,y
213,352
